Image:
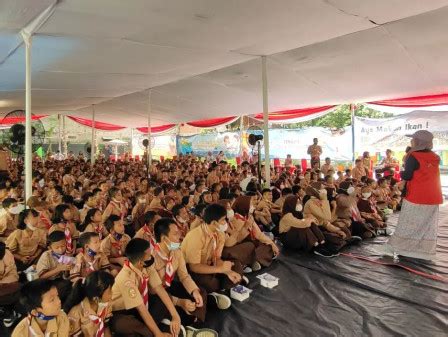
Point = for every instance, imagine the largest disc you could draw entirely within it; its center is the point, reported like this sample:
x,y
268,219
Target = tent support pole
x,y
59,133
267,160
352,108
132,142
64,137
149,159
92,144
28,140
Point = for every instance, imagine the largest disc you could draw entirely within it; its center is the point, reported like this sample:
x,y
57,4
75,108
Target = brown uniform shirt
x,y
24,242
320,209
46,263
84,267
125,291
113,248
240,231
179,267
58,327
198,247
8,270
80,321
289,221
8,224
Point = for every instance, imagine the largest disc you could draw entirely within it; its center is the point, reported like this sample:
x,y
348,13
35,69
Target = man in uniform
x,y
315,151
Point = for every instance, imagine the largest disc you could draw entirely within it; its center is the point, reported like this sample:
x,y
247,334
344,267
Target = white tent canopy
x,y
201,56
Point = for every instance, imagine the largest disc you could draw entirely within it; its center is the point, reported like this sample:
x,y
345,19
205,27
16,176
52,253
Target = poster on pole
x,y
201,144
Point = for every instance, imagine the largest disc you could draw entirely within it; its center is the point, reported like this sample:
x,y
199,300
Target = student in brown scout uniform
x,y
27,242
115,206
169,262
41,207
115,243
45,317
92,223
9,284
243,231
62,221
202,249
147,230
88,306
9,218
90,258
54,265
130,296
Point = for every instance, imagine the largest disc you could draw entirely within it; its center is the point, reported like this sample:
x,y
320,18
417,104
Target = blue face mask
x,y
118,236
91,253
56,255
44,317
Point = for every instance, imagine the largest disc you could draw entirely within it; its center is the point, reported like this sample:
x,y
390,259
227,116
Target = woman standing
x,y
416,232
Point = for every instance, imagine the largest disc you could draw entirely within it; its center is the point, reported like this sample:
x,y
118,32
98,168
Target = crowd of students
x,y
125,249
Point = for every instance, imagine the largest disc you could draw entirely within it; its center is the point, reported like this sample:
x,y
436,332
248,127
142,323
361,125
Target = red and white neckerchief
x,y
354,212
68,239
150,233
117,245
45,220
143,286
99,321
214,237
252,231
90,265
99,231
169,269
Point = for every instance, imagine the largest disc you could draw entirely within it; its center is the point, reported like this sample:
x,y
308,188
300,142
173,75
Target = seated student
x,y
45,318
70,201
245,241
41,207
62,221
359,170
340,178
264,208
297,233
27,242
90,202
91,258
198,216
116,205
169,262
369,212
348,214
182,219
130,296
8,219
88,306
383,195
156,202
167,204
93,223
318,207
202,249
115,243
140,205
53,264
147,230
9,285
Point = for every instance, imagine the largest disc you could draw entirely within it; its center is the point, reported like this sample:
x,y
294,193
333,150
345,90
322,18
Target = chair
x,y
277,162
304,165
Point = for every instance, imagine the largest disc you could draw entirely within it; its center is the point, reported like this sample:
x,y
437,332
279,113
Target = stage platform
x,y
346,296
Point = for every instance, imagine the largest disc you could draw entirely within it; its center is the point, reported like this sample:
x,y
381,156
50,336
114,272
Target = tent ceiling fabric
x,y
200,56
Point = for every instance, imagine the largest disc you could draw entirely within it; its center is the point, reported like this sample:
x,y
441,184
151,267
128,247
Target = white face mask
x,y
142,201
323,191
31,227
282,186
230,214
301,177
222,228
251,210
366,195
299,208
16,209
350,190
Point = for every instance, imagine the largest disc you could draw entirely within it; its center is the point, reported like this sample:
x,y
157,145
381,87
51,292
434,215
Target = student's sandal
x,y
223,302
192,332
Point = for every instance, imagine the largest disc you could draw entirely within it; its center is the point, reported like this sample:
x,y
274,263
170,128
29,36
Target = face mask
x,y
142,201
181,220
282,186
173,246
323,191
350,190
91,253
16,209
44,317
299,208
223,227
230,214
301,177
31,227
251,209
148,263
366,195
118,236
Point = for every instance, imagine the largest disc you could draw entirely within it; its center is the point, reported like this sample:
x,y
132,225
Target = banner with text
x,y
377,135
201,144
